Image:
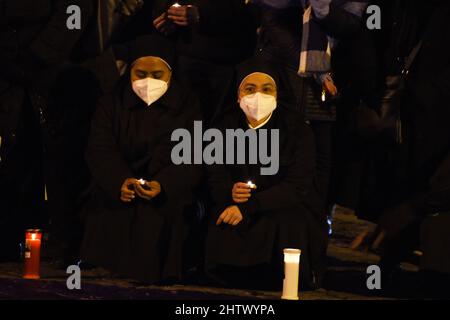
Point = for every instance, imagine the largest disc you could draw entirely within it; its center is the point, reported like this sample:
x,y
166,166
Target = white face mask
x,y
149,89
258,105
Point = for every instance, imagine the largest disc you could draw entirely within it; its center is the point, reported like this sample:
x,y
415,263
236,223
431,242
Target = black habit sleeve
x,y
103,156
178,181
294,188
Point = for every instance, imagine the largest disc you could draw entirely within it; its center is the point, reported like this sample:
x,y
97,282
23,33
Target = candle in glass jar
x,y
291,274
32,256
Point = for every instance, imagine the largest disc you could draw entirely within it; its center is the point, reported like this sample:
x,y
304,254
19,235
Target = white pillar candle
x,y
291,274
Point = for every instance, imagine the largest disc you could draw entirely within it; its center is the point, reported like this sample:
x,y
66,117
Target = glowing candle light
x,y
32,256
141,181
251,185
291,274
176,5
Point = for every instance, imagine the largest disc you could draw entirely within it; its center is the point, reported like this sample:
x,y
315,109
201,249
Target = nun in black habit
x,y
140,211
249,228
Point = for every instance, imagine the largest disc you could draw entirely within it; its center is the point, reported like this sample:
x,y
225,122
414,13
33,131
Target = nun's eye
x,y
268,89
157,74
141,74
249,90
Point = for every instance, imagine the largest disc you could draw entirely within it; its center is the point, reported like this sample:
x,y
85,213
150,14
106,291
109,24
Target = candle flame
x,y
33,236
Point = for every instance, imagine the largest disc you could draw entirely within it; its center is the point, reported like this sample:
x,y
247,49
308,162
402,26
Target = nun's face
x,y
150,67
257,82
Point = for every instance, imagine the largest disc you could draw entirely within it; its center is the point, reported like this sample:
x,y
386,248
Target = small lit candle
x,y
324,96
141,181
32,256
176,5
251,185
291,274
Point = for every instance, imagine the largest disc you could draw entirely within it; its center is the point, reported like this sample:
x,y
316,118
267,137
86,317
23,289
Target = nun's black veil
x,y
253,65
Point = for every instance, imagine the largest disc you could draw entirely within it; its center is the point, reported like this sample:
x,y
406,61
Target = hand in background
x,y
164,25
183,15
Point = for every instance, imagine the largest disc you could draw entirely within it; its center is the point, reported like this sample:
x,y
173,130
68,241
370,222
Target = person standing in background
x,y
422,191
35,46
212,38
307,51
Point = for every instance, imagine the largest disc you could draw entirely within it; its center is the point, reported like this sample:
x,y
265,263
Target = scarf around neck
x,y
316,46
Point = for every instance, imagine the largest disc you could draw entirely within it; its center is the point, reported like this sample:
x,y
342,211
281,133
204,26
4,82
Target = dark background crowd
x,y
384,164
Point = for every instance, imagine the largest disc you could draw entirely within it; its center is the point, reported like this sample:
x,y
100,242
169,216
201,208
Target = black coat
x,y
145,239
225,35
277,215
34,46
280,41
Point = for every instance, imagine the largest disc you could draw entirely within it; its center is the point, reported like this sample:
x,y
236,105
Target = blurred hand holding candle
x,y
32,256
291,274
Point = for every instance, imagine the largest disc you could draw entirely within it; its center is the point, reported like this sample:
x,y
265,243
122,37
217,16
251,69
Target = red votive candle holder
x,y
32,254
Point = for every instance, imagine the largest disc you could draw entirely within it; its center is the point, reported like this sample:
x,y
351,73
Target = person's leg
x,y
323,140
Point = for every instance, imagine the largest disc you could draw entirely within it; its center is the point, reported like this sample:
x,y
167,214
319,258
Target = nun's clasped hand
x,y
231,215
149,190
127,193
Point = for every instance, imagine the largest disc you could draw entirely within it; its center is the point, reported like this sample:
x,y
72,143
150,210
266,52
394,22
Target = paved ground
x,y
346,279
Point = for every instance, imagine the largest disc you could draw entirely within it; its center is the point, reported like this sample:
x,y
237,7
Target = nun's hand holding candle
x,y
148,190
242,191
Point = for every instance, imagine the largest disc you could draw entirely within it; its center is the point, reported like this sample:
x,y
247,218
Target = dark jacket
x,y
277,214
143,240
225,35
425,113
35,44
280,43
